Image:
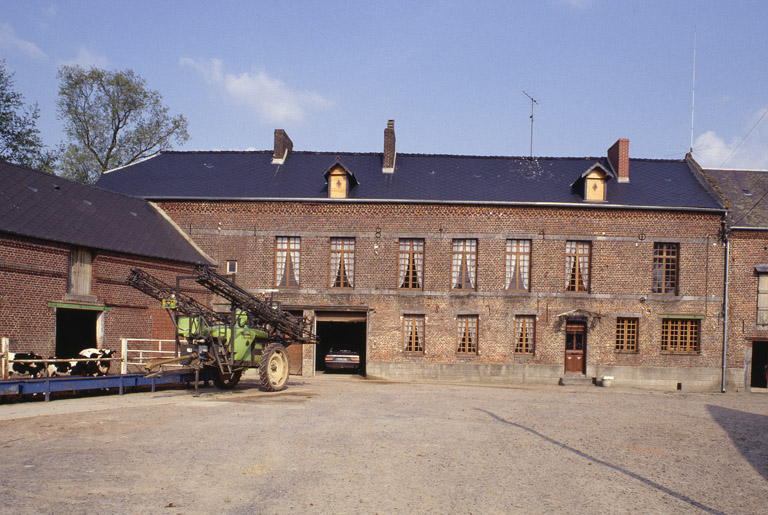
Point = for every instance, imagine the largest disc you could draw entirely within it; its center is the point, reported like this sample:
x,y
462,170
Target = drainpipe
x,y
725,303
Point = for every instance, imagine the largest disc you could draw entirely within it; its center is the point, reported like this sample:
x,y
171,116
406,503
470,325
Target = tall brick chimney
x,y
283,146
388,162
618,156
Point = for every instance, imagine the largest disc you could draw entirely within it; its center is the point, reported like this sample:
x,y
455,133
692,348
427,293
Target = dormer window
x,y
591,185
595,186
337,183
340,179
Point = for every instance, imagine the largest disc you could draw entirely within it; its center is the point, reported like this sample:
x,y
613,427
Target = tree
x,y
112,119
20,140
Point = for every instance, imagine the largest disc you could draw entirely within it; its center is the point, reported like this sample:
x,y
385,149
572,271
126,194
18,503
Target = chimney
x,y
388,161
618,156
283,145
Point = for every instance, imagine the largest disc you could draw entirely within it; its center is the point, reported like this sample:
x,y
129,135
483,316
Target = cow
x,y
22,367
60,368
99,365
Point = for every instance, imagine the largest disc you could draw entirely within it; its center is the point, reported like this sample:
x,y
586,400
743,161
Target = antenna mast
x,y
693,90
533,101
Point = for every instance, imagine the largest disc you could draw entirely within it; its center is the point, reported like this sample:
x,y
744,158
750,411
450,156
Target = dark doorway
x,y
75,331
759,364
340,336
575,346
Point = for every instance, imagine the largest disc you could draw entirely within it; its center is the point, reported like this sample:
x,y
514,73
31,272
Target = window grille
x,y
665,259
680,335
525,333
287,261
342,262
467,334
413,333
626,334
577,257
411,263
518,264
464,266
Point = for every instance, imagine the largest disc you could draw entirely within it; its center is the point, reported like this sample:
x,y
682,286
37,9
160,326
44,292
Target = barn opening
x,y
341,331
759,365
75,331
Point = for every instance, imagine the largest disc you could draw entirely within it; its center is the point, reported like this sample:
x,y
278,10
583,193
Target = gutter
x,y
436,202
725,302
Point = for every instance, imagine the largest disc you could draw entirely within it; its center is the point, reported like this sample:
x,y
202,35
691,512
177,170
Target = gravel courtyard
x,y
342,444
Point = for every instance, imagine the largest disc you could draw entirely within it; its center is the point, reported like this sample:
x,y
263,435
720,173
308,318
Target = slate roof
x,y
745,191
417,178
43,206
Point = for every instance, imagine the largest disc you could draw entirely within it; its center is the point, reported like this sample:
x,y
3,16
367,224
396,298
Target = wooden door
x,y
575,347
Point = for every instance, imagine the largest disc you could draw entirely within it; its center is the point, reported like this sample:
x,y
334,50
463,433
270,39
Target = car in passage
x,y
342,359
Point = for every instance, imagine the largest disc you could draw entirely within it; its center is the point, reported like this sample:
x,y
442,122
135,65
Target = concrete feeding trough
x,y
606,381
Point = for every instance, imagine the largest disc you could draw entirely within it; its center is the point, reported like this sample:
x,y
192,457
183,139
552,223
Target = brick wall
x,y
622,254
34,273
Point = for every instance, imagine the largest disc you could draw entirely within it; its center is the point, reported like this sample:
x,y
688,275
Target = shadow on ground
x,y
747,431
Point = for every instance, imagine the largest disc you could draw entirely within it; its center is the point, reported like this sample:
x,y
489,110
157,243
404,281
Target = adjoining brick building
x,y
469,268
65,252
745,192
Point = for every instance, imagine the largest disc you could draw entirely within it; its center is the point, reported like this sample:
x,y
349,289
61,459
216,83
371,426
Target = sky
x,y
453,75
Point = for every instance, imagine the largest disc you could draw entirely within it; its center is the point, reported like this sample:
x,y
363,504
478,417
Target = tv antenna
x,y
533,101
693,91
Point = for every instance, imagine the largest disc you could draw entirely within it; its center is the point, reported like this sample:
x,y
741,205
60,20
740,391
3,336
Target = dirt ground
x,y
342,444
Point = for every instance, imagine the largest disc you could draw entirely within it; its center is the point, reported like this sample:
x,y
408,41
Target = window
x,y
231,267
762,299
680,335
80,271
464,266
626,334
665,268
342,262
413,333
577,254
518,264
337,183
287,261
524,333
411,263
467,334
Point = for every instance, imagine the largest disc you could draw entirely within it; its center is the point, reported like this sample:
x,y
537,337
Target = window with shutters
x,y
626,334
342,262
665,267
466,334
287,261
413,333
518,264
524,334
680,335
577,258
762,299
464,265
411,263
80,272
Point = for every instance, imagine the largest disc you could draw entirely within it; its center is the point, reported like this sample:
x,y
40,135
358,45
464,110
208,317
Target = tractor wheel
x,y
273,369
227,384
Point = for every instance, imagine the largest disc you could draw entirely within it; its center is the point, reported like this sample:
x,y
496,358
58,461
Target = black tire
x,y
273,368
227,384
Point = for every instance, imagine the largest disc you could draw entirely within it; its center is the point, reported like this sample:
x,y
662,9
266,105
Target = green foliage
x,y
112,120
20,141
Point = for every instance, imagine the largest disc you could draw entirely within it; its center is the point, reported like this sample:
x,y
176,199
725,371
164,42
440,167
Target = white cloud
x,y
712,151
85,59
9,42
271,98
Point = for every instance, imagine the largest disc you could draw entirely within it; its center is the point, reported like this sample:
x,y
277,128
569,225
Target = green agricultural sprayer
x,y
252,333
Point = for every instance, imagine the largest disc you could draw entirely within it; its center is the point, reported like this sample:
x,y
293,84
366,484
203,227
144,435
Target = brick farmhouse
x,y
470,268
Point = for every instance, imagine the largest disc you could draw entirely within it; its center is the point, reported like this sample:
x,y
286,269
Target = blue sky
x,y
451,74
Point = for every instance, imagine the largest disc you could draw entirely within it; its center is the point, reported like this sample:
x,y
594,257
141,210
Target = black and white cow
x,y
22,367
99,366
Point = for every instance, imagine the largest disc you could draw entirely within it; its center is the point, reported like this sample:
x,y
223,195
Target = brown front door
x,y
575,347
